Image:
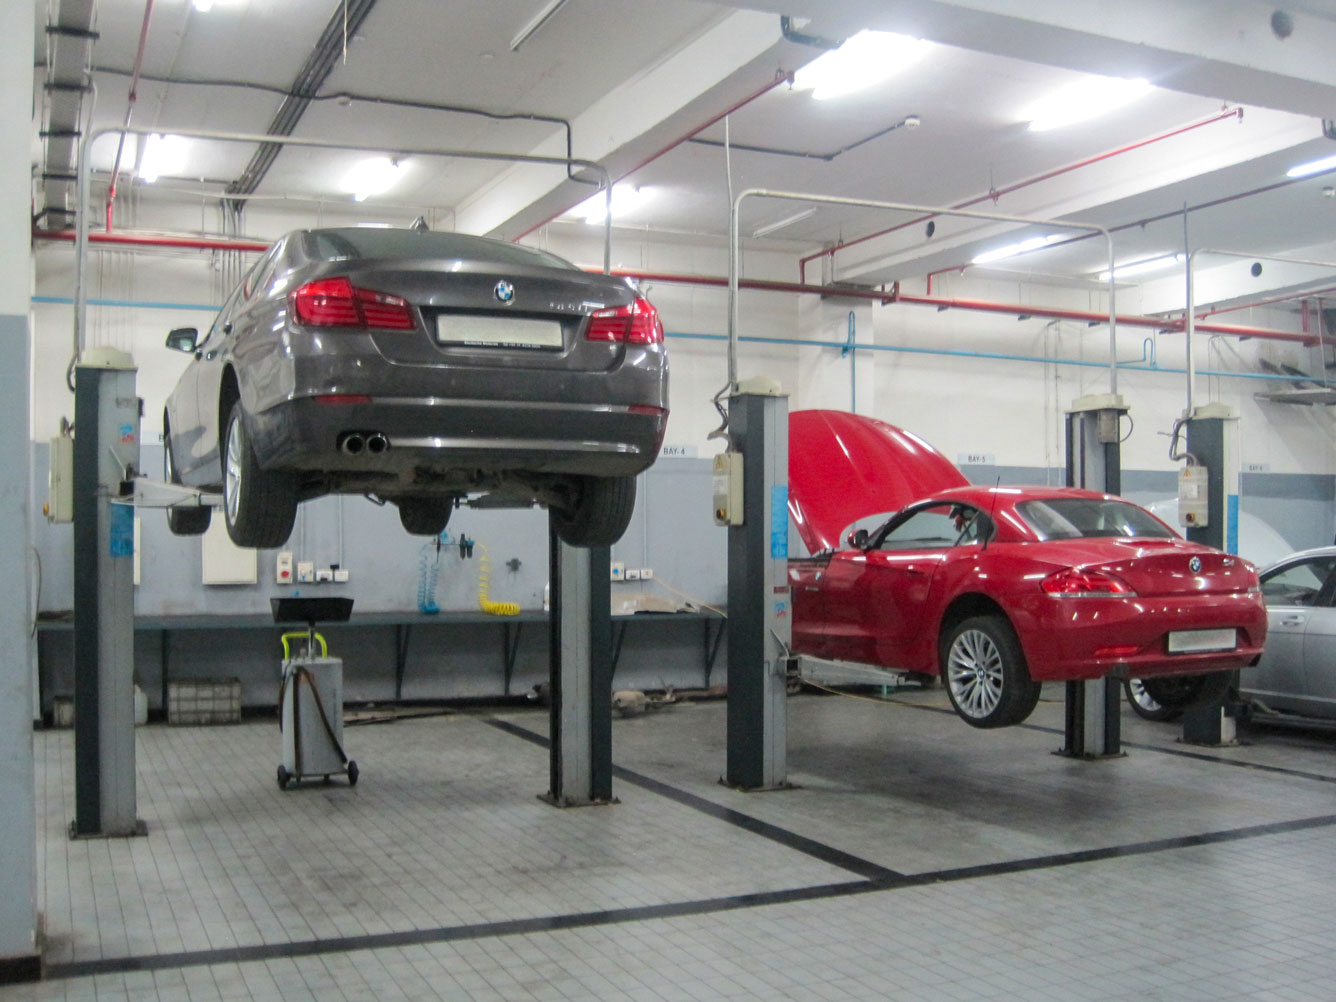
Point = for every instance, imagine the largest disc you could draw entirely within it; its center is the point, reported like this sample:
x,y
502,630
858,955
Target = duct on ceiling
x,y
68,82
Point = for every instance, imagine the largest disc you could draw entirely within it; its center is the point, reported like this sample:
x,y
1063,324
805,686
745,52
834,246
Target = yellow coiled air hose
x,y
485,603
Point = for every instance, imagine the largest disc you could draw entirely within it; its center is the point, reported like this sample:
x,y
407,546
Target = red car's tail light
x,y
1073,582
336,302
635,324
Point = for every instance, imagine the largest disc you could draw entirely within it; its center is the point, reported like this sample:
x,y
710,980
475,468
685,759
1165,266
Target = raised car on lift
x,y
997,590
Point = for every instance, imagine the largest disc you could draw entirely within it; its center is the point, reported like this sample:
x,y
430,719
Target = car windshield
x,y
1078,518
382,242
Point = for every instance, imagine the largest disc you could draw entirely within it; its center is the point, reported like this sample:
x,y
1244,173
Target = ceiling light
x,y
537,21
1312,167
865,59
779,224
204,6
1083,100
162,155
1011,250
626,199
1142,267
372,177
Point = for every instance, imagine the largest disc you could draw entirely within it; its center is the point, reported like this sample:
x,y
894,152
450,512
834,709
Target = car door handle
x,y
1293,621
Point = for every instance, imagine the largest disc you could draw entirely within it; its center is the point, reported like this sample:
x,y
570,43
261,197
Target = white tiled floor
x,y
443,876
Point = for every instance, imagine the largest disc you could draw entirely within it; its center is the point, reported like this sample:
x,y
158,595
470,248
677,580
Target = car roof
x,y
1317,551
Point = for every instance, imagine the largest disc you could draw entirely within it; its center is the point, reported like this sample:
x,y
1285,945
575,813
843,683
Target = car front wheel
x,y
1187,692
599,512
985,673
1143,704
259,505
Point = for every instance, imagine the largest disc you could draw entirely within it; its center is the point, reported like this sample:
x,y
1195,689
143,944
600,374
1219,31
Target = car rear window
x,y
382,242
1078,518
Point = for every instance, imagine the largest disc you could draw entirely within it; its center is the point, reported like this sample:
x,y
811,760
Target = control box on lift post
x,y
1194,497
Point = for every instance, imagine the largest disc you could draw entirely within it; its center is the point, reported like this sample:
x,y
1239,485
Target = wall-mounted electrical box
x,y
60,489
727,488
1193,497
283,568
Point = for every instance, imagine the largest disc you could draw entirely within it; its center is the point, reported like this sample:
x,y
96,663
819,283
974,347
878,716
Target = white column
x,y
18,831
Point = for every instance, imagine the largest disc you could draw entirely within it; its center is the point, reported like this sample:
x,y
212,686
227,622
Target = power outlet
x,y
618,571
283,568
324,574
646,573
341,575
633,574
305,571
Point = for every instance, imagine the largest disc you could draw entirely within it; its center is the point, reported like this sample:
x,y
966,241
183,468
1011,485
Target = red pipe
x,y
781,77
995,194
148,240
130,107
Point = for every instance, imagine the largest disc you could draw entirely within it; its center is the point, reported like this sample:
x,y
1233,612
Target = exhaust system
x,y
377,443
354,443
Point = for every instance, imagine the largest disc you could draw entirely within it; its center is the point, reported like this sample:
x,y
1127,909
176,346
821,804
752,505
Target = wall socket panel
x,y
306,571
283,568
618,571
633,574
646,573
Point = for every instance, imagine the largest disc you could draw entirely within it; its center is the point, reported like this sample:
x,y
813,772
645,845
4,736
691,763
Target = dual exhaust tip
x,y
354,443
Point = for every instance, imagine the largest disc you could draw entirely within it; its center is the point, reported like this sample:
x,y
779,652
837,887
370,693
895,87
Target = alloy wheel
x,y
974,673
232,459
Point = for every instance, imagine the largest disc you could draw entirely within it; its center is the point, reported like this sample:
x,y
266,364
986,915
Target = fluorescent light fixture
x,y
1312,167
779,224
1011,250
863,60
1083,100
372,177
204,6
1143,267
537,21
626,199
162,155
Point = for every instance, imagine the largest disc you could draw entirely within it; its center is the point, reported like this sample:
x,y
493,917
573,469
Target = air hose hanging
x,y
484,602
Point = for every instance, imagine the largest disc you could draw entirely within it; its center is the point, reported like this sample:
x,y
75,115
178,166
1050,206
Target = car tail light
x,y
1119,651
635,324
1077,583
336,302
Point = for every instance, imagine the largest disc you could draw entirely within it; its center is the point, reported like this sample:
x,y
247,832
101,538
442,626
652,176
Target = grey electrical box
x,y
1193,497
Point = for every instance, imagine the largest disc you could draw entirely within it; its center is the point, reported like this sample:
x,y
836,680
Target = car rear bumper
x,y
1088,638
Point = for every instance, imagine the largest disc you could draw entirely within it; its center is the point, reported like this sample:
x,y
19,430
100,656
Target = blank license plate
x,y
497,332
1185,641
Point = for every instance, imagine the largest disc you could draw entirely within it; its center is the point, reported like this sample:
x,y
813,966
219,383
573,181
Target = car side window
x,y
935,527
218,331
1300,584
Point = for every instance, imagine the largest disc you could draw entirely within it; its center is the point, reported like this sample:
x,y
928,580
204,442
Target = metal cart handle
x,y
303,635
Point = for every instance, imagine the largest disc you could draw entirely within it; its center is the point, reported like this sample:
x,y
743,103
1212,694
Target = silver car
x,y
420,368
1297,673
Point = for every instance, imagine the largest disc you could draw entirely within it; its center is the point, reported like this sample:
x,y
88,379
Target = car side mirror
x,y
183,339
858,539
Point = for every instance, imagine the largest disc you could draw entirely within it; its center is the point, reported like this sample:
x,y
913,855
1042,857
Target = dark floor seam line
x,y
790,840
558,923
1204,757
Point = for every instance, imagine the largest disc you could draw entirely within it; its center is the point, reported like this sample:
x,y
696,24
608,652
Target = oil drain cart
x,y
311,695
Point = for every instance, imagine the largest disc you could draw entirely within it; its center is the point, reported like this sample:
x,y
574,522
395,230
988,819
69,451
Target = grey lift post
x,y
1212,440
1092,728
106,455
759,624
581,674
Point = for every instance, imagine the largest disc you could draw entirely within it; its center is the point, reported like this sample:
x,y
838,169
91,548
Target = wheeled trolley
x,y
311,694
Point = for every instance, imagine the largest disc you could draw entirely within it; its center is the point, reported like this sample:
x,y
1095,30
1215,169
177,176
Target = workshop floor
x,y
916,859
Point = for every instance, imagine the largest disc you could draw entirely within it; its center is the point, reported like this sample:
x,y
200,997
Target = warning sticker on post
x,y
779,522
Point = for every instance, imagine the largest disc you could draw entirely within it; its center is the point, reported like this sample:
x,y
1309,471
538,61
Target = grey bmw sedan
x,y
419,368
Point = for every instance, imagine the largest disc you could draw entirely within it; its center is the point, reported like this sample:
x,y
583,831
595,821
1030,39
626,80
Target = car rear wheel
x,y
185,520
426,516
986,675
599,513
260,505
1187,692
1145,705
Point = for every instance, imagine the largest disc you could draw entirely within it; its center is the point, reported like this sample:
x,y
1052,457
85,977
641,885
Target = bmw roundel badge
x,y
1194,565
504,291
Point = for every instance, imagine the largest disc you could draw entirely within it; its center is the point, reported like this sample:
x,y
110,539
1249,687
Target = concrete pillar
x,y
18,829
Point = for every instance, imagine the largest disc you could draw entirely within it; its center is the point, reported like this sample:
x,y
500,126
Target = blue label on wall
x,y
779,522
122,530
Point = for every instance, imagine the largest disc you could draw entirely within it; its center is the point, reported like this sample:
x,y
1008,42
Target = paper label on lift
x,y
779,522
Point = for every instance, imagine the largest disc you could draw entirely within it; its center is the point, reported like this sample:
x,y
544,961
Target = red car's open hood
x,y
843,466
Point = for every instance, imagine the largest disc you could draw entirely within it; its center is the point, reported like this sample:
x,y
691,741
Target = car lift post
x,y
759,627
1212,440
580,751
106,459
1093,725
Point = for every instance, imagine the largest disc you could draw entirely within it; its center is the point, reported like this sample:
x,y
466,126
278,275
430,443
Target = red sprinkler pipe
x,y
129,109
995,194
153,240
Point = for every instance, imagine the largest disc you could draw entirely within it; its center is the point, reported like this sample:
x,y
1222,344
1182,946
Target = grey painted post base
x,y
1093,720
581,675
106,453
759,627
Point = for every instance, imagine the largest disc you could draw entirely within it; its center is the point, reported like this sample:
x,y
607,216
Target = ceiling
x,y
652,89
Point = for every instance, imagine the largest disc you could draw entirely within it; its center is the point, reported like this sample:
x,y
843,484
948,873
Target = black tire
x,y
259,505
183,521
1145,705
1187,692
284,778
353,773
984,671
425,516
599,513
